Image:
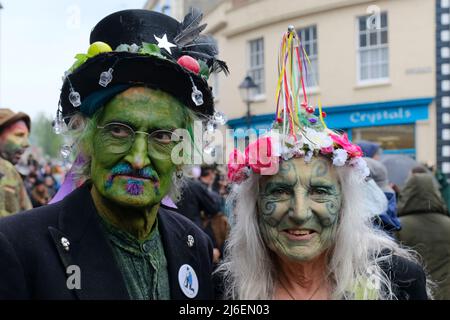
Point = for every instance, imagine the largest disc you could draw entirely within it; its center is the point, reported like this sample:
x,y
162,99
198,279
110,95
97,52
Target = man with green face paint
x,y
14,131
115,236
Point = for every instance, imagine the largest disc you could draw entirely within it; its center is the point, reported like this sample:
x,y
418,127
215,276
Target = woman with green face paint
x,y
302,215
305,233
124,107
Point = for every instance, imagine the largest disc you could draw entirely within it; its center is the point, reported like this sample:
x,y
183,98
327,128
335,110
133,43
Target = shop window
x,y
393,139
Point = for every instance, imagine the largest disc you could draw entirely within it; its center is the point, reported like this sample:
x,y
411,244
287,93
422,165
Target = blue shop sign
x,y
378,114
354,116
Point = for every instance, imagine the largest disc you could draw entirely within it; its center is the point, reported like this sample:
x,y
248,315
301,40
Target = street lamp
x,y
248,89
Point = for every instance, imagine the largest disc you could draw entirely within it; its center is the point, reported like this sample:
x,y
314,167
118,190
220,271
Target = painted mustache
x,y
133,186
125,169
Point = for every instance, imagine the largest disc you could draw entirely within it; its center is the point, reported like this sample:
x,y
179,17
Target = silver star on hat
x,y
163,43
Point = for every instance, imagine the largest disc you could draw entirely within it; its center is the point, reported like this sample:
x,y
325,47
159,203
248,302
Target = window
x,y
308,37
256,62
373,48
393,139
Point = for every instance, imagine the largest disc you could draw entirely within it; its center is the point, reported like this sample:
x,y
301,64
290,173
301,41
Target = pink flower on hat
x,y
261,158
327,150
236,166
353,150
258,156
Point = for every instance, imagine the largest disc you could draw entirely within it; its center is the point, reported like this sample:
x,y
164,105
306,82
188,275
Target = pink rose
x,y
236,164
260,158
353,150
327,150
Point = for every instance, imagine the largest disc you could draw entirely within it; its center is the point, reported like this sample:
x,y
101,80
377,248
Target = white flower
x,y
308,156
134,48
361,166
287,153
299,153
317,139
339,157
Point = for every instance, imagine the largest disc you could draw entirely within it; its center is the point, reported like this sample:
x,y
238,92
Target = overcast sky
x,y
38,40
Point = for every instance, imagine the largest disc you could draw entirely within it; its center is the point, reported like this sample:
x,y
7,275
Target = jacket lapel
x,y
87,248
174,236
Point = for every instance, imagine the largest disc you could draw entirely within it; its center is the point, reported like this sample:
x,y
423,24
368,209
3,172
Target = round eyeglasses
x,y
120,138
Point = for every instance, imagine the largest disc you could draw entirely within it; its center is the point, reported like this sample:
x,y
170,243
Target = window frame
x,y
372,48
314,86
261,94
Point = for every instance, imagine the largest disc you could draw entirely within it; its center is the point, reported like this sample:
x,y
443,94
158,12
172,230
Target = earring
x,y
179,174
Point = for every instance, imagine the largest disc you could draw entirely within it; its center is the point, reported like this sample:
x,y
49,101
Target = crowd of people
x,y
309,216
42,181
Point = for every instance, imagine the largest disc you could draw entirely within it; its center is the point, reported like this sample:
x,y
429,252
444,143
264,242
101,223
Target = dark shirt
x,y
143,263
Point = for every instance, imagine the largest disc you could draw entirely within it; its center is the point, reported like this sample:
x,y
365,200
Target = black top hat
x,y
146,46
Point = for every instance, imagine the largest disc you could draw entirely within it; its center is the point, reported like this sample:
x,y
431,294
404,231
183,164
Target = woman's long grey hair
x,y
354,261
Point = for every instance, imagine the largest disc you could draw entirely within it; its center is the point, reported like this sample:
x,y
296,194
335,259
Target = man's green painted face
x,y
14,141
138,176
298,208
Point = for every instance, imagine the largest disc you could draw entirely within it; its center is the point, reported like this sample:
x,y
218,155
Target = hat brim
x,y
17,117
137,70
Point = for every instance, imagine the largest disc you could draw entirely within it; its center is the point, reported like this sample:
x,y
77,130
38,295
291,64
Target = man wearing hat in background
x,y
113,237
14,132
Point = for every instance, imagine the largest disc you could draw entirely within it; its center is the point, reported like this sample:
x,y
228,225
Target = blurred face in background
x,y
41,188
49,181
14,141
209,177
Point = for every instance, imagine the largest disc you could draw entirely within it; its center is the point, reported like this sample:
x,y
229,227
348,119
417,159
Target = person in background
x,y
30,181
14,132
387,220
444,186
39,194
370,149
51,186
426,228
198,204
207,176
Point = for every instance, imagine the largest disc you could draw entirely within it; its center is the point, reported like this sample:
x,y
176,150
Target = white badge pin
x,y
190,241
187,279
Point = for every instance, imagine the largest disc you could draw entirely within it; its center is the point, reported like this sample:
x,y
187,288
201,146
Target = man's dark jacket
x,y
33,259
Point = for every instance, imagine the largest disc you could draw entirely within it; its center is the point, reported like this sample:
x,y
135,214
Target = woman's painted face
x,y
299,207
136,177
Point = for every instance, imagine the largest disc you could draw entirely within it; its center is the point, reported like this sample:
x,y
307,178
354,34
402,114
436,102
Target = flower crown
x,y
298,131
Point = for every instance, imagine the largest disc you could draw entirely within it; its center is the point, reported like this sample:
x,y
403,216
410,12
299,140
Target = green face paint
x,y
137,177
298,208
14,141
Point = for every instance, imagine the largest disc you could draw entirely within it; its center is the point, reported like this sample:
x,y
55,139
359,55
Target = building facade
x,y
179,8
374,65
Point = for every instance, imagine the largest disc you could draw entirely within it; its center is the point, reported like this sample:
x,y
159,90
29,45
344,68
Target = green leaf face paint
x,y
140,176
14,141
298,208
